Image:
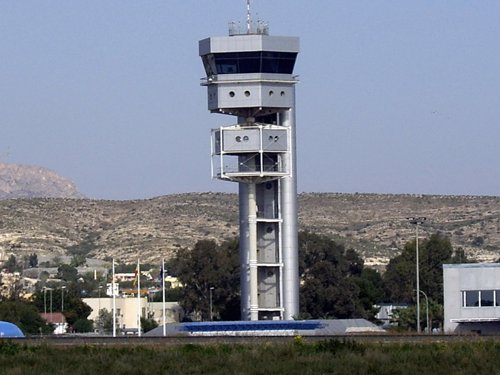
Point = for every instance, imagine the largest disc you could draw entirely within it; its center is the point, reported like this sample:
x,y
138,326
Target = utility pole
x,y
417,221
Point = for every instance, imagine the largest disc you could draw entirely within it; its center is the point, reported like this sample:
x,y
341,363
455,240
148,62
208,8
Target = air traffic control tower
x,y
250,76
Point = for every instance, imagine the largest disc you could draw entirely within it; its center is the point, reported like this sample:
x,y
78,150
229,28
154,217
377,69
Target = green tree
x,y
43,277
67,273
25,316
406,319
104,321
78,260
371,291
331,280
33,260
83,248
459,256
437,251
11,264
74,307
400,275
206,266
400,278
171,295
83,325
147,324
334,282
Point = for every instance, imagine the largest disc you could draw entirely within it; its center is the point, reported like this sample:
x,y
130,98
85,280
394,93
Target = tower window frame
x,y
249,62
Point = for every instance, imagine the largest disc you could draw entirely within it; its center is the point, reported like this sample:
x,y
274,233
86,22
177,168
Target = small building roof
x,y
54,318
472,265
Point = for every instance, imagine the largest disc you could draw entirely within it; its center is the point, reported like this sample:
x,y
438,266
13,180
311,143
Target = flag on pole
x,y
162,276
138,282
113,295
136,274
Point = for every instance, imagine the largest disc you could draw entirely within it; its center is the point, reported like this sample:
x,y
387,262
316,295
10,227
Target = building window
x,y
471,298
487,298
249,62
480,298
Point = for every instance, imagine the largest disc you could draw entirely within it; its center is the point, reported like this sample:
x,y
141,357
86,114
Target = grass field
x,y
295,357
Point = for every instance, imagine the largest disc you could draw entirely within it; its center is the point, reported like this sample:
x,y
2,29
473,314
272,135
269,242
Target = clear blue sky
x,y
395,96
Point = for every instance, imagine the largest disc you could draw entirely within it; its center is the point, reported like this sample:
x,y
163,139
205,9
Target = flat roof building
x,y
471,298
127,309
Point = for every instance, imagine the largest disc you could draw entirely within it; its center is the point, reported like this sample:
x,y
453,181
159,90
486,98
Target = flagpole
x,y
163,293
114,299
138,298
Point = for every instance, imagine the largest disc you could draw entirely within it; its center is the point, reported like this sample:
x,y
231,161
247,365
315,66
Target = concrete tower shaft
x,y
250,76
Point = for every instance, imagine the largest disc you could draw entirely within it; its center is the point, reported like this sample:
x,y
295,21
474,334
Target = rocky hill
x,y
24,181
373,224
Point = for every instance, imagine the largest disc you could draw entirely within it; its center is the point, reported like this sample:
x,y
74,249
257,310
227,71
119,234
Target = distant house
x,y
9,283
472,298
386,311
174,281
127,310
58,320
125,276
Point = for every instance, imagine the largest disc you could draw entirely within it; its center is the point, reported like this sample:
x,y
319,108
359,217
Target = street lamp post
x,y
50,290
211,311
62,298
426,311
99,309
417,221
45,301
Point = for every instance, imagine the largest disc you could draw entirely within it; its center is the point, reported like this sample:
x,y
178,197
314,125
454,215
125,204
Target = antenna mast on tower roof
x,y
249,18
252,27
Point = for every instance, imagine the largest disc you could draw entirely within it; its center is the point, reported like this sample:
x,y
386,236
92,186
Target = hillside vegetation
x,y
373,224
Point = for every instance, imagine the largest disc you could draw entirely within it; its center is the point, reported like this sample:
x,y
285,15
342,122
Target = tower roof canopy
x,y
250,53
248,43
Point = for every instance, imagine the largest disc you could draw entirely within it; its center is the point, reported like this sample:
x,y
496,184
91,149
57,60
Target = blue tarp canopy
x,y
260,325
269,328
10,330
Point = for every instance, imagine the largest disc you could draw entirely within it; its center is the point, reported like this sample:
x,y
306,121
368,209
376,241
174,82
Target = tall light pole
x,y
45,301
62,298
99,310
211,311
50,290
99,292
417,221
426,311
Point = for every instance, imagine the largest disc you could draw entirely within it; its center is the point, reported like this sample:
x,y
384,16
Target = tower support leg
x,y
290,226
252,234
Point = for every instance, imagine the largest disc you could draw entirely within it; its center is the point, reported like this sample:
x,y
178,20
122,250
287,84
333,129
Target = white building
x,y
386,312
58,320
471,298
127,310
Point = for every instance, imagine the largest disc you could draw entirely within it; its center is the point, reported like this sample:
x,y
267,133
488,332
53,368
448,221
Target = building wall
x,y
460,282
386,311
126,309
173,312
